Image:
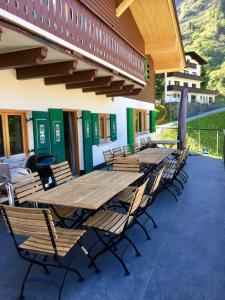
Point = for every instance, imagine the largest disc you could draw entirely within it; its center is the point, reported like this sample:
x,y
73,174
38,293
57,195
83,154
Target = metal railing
x,y
210,142
74,23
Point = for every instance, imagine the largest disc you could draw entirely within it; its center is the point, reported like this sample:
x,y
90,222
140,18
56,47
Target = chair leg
x,y
107,246
89,256
151,218
132,244
172,193
181,184
25,278
145,231
176,188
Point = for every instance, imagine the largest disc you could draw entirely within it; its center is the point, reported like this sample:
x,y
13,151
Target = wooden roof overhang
x,y
159,26
33,57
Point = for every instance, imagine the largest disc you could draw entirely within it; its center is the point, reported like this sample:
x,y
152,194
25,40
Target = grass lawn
x,y
202,139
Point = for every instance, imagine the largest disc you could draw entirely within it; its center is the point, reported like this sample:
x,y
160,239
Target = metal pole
x,y
217,143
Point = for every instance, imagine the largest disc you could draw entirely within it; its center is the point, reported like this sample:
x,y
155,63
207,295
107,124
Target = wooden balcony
x,y
69,22
178,88
185,76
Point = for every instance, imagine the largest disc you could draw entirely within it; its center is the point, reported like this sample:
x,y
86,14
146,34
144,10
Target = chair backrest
x,y
136,148
143,142
26,186
108,156
137,199
126,164
126,150
61,172
149,140
29,222
156,181
117,152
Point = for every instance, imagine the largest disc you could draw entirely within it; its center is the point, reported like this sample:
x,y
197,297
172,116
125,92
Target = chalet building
x,y
191,78
77,77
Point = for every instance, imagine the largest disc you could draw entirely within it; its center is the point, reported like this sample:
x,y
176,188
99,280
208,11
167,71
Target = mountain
x,y
203,30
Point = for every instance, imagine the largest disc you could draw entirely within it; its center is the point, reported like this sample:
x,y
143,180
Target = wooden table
x,y
152,156
90,191
166,142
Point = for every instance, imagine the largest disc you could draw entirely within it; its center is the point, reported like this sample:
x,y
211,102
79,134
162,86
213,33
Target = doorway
x,y
71,141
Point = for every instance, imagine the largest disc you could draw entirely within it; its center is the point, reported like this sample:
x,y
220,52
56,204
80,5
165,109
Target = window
x,y
103,126
186,84
194,85
13,138
177,83
140,120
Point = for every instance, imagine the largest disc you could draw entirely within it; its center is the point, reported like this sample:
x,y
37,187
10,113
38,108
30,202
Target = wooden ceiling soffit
x,y
133,93
123,6
47,70
97,82
76,77
115,85
22,58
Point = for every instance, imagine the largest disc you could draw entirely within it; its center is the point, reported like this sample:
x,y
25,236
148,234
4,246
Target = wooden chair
x,y
126,164
61,173
126,196
149,141
114,226
126,150
108,157
43,238
117,152
27,186
136,148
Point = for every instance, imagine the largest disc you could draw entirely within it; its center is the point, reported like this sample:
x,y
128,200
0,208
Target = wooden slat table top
x,y
169,142
90,191
153,157
167,151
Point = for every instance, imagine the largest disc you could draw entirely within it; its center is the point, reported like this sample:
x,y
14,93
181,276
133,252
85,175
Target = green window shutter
x,y
87,141
95,129
113,127
152,118
41,131
130,128
57,134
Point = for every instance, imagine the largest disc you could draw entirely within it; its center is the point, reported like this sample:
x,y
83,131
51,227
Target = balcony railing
x,y
199,140
191,65
178,88
74,23
185,76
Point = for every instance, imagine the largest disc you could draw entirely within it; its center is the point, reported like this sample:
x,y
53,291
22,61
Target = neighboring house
x,y
77,77
191,78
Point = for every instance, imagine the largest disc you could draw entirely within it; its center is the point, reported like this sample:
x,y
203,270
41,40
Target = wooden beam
x,y
97,82
115,85
47,70
123,6
133,93
76,77
22,58
126,89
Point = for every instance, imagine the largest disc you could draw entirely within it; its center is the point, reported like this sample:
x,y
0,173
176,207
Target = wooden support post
x,y
22,58
47,70
76,77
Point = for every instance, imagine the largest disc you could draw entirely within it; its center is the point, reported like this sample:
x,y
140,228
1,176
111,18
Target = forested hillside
x,y
203,30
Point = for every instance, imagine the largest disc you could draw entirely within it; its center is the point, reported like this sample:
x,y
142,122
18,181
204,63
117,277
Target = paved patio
x,y
184,260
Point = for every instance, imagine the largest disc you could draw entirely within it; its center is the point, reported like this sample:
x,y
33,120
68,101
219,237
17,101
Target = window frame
x,y
105,128
5,131
144,113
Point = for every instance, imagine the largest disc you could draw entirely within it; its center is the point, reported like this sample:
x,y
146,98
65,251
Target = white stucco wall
x,y
34,95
